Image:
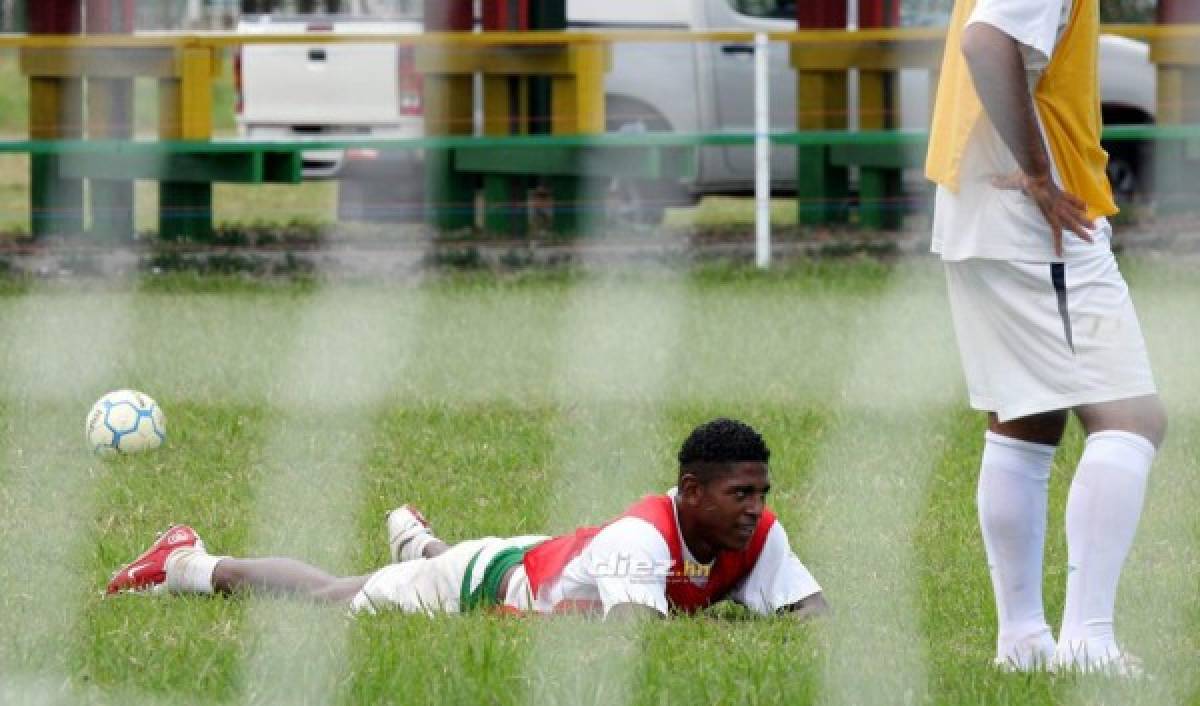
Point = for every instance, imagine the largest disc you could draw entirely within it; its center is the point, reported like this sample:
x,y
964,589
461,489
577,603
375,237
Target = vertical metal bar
x,y
762,150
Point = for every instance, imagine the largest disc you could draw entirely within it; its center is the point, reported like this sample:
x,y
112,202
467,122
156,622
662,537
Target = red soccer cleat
x,y
149,570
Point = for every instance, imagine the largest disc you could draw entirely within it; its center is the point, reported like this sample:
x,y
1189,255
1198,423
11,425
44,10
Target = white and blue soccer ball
x,y
125,422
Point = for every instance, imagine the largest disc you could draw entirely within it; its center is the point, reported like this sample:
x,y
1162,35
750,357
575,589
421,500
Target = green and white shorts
x,y
466,576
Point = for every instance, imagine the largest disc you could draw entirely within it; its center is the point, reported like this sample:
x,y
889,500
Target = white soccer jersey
x,y
982,220
628,562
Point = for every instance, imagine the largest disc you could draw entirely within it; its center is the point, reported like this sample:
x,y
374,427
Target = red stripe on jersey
x,y
546,561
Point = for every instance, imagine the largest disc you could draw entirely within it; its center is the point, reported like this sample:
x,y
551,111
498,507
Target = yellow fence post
x,y
578,108
449,110
822,189
579,102
55,113
878,188
505,112
577,105
821,60
185,113
450,198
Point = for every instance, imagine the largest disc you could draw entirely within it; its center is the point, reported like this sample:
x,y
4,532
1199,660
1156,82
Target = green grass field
x,y
300,412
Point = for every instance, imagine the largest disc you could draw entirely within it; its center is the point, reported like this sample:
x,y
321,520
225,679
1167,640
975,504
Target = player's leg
x,y
993,321
177,562
285,576
1103,510
410,536
1046,429
421,585
1012,499
1144,416
1125,423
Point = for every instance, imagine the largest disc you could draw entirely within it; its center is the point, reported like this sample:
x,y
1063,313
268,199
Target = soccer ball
x,y
125,422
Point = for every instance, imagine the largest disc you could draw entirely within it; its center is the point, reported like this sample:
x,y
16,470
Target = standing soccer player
x,y
1043,317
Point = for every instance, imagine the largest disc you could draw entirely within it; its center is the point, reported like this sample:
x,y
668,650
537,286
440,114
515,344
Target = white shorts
x,y
434,585
1039,337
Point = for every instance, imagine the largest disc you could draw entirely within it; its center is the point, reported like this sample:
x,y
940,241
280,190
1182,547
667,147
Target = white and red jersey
x,y
640,557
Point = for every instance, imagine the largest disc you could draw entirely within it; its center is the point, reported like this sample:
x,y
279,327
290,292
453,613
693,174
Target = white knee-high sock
x,y
1013,487
1103,510
190,570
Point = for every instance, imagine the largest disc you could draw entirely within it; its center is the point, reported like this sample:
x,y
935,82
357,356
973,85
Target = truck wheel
x,y
1127,170
634,202
639,201
1129,161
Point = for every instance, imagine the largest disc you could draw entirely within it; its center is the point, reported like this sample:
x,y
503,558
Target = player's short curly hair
x,y
719,443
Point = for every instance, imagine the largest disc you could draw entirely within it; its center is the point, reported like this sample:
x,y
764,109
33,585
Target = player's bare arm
x,y
998,72
811,607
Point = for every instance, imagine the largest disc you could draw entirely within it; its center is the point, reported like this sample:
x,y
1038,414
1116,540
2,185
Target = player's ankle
x,y
420,546
434,547
191,570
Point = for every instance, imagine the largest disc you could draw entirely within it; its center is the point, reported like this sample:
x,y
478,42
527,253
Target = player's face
x,y
732,504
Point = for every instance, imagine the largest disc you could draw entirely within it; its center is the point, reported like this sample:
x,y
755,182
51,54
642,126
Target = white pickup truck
x,y
340,91
687,87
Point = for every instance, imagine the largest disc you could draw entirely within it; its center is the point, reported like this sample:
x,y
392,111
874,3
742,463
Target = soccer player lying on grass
x,y
708,539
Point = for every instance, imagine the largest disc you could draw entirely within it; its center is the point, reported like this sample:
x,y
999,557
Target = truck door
x,y
733,74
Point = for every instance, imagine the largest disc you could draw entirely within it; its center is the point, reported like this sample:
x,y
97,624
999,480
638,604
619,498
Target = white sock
x,y
1013,484
414,548
190,570
1103,509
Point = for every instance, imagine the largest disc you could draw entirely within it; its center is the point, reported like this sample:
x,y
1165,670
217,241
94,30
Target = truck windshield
x,y
376,9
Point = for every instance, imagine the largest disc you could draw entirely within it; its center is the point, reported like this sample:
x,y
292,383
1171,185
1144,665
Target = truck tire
x,y
640,201
1129,161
